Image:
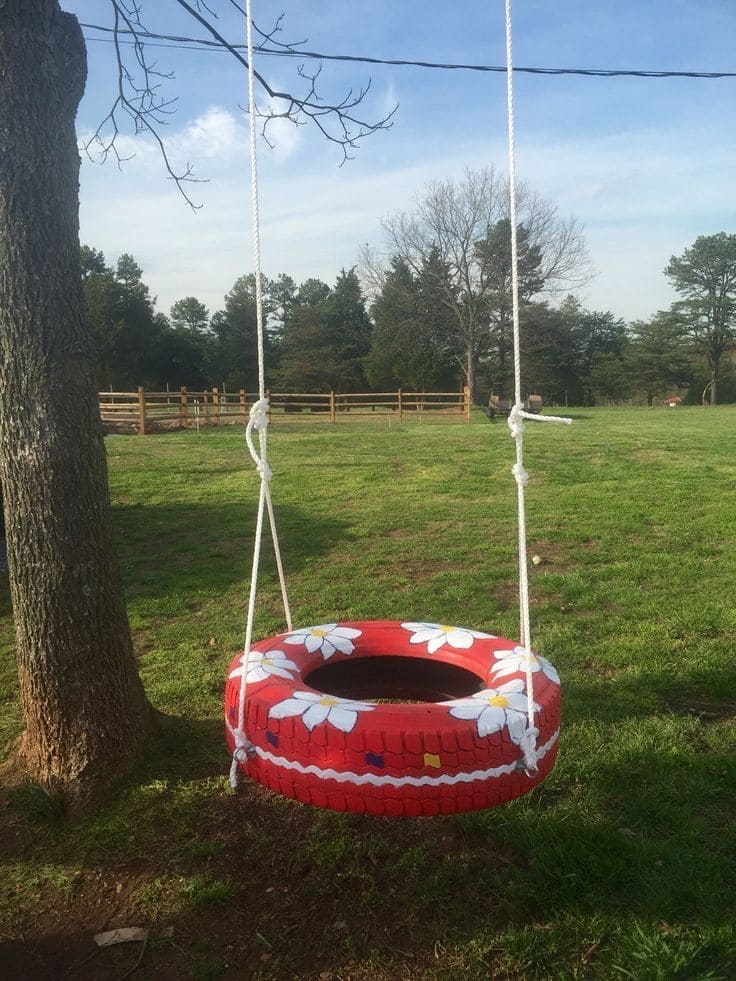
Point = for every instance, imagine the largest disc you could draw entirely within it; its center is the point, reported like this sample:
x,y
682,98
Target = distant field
x,y
623,864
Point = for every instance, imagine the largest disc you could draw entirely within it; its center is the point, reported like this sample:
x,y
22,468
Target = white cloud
x,y
639,197
216,133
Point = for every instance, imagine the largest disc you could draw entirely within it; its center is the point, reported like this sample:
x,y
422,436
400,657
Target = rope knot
x,y
244,749
516,421
528,744
522,477
259,415
258,420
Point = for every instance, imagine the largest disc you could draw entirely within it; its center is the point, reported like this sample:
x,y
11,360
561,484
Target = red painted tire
x,y
440,756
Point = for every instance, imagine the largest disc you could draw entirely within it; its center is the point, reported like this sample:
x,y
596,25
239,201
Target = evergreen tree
x,y
549,355
599,342
235,360
660,355
126,332
494,260
190,314
705,276
409,343
327,337
348,331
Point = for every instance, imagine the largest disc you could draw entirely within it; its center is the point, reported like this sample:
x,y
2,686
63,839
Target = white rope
x,y
258,421
516,422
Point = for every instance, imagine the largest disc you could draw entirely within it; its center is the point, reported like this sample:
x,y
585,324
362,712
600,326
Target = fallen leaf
x,y
124,935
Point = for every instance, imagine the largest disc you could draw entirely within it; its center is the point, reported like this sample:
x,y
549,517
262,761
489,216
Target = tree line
x,y
413,328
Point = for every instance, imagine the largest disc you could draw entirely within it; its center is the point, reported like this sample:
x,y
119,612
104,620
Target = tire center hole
x,y
393,678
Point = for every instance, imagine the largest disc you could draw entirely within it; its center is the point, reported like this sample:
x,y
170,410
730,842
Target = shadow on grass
x,y
705,693
614,844
181,548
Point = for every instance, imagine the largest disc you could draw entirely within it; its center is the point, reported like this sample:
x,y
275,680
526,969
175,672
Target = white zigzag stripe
x,y
378,780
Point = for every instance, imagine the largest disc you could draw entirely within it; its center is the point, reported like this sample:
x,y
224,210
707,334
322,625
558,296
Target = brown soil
x,y
287,917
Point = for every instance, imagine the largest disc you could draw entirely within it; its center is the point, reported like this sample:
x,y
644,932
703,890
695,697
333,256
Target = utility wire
x,y
199,44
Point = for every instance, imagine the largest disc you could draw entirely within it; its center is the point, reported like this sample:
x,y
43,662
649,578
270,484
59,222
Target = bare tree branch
x,y
140,99
336,122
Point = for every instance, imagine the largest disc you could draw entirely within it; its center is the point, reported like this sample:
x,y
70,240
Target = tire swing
x,y
382,717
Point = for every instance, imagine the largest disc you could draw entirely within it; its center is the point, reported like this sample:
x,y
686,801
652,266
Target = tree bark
x,y
470,363
86,716
715,364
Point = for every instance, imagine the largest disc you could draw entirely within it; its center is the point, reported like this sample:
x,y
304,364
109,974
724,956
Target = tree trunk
x,y
714,382
85,713
470,360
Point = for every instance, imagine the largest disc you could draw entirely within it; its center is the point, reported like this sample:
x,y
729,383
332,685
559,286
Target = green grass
x,y
623,864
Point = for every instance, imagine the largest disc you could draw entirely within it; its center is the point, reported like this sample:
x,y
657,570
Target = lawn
x,y
622,864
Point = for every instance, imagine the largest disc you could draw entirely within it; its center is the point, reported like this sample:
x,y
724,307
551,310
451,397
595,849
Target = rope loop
x,y
258,420
522,477
518,414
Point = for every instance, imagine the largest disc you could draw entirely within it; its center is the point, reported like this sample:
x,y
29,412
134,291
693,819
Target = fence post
x,y
242,406
141,411
183,408
216,405
206,403
466,402
333,413
401,408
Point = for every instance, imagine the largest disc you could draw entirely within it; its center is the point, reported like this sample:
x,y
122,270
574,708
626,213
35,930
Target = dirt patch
x,y
708,710
506,595
397,533
292,909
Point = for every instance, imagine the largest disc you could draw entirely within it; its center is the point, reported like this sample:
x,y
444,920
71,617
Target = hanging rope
x,y
257,421
516,422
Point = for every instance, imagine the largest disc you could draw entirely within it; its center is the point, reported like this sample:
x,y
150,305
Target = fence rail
x,y
142,411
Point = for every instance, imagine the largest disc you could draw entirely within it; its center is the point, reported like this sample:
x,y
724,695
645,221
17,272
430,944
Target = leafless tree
x,y
446,231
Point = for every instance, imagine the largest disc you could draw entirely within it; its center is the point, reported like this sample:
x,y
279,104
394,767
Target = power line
x,y
200,44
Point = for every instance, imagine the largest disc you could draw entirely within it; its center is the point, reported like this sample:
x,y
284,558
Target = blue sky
x,y
645,165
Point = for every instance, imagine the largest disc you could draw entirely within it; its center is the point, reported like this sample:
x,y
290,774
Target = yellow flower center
x,y
319,633
266,660
445,628
328,702
500,701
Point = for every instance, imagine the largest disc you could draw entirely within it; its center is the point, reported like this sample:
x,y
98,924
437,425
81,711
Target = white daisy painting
x,y
327,638
510,662
314,709
436,635
260,666
495,708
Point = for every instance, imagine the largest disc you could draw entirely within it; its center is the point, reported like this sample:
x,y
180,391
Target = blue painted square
x,y
374,759
272,738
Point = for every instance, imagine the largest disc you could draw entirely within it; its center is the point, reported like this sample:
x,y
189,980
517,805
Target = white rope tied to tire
x,y
258,422
516,423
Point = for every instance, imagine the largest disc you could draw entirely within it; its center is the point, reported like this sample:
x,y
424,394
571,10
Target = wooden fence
x,y
143,411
